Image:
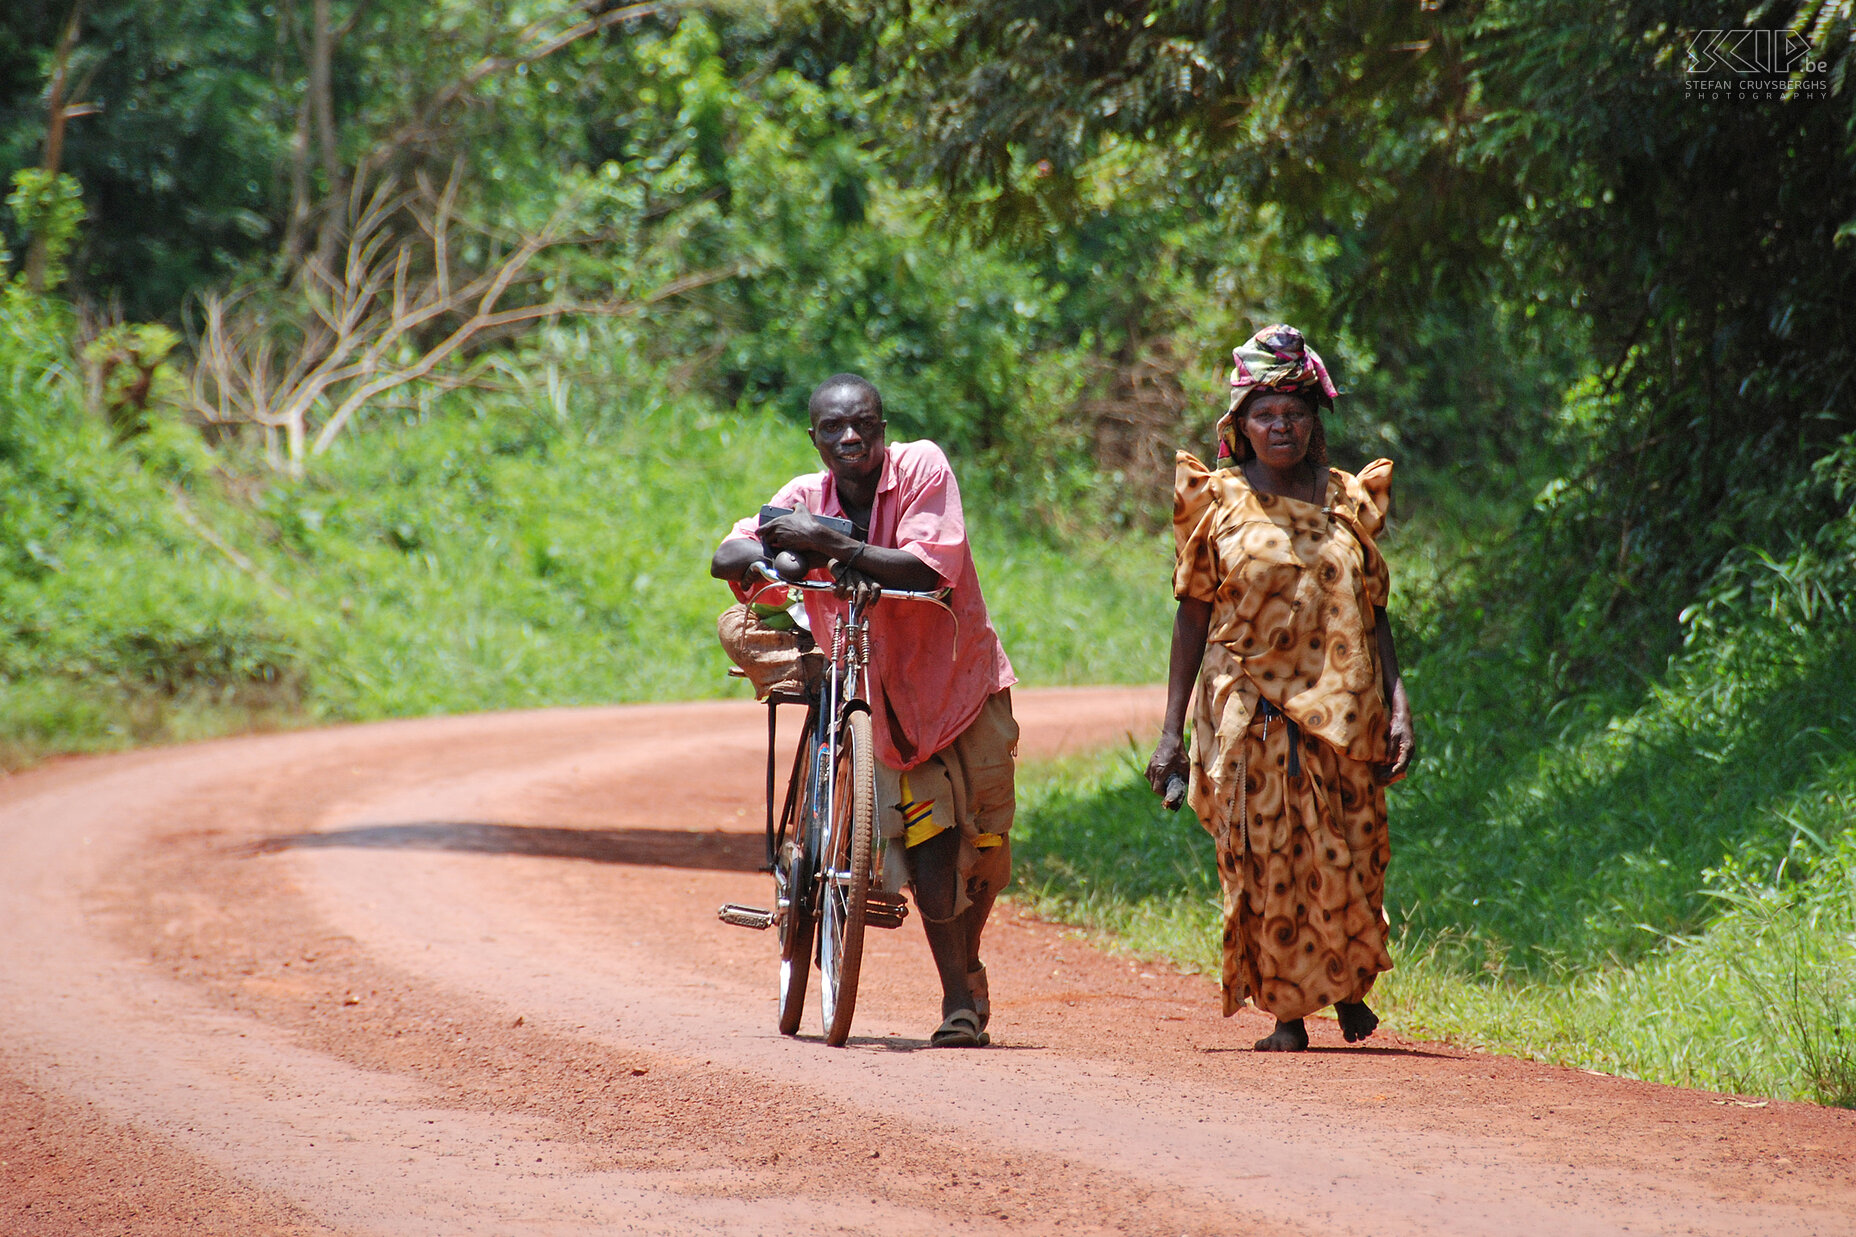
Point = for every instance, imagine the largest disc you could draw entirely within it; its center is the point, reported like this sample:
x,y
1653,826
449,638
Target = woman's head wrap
x,y
1276,358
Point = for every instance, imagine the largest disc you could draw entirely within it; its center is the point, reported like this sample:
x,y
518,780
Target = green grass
x,y
542,545
1759,997
118,622
1093,847
1588,844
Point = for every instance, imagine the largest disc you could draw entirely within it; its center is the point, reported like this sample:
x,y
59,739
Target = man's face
x,y
847,429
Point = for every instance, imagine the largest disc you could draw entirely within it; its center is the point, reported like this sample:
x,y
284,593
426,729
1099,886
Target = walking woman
x,y
1300,717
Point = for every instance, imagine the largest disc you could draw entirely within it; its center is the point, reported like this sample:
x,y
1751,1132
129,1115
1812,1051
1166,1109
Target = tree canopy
x,y
1537,253
1497,183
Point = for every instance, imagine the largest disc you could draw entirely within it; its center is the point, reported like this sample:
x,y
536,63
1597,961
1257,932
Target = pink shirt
x,y
926,686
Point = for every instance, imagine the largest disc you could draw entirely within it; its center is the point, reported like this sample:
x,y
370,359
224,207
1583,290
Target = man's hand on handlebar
x,y
854,586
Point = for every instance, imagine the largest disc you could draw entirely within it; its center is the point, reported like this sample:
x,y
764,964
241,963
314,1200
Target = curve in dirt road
x,y
463,975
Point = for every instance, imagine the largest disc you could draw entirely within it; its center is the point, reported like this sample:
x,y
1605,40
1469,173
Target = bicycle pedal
x,y
885,910
745,916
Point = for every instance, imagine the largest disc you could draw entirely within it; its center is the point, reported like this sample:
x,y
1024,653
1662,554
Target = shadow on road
x,y
1351,1050
899,1043
662,848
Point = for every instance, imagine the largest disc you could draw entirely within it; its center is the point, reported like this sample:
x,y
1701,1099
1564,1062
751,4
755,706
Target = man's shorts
x,y
968,785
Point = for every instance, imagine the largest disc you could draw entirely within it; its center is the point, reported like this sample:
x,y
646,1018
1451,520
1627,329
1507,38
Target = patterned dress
x,y
1289,718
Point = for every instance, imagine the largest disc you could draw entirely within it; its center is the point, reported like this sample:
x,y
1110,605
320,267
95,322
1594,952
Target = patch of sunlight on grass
x,y
1758,998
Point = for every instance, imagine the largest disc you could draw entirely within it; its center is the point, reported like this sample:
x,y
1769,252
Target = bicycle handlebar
x,y
766,573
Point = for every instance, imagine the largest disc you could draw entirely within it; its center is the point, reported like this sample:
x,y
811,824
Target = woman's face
x,y
1278,426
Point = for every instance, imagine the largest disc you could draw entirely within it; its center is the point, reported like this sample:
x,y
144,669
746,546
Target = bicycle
x,y
822,847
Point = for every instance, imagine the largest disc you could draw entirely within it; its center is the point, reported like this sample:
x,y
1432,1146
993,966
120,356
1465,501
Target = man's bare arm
x,y
801,533
734,557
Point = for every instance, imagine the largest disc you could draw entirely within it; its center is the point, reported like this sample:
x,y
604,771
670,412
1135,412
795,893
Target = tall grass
x,y
118,622
1589,842
544,544
1760,999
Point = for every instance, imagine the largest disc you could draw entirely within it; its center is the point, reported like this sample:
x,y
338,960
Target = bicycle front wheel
x,y
795,866
850,837
798,928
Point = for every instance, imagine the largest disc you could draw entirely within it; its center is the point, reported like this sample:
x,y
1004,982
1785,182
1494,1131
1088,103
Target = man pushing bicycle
x,y
939,680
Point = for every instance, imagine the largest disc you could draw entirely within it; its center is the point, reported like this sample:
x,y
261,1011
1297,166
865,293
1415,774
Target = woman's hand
x,y
1401,741
1169,760
1190,624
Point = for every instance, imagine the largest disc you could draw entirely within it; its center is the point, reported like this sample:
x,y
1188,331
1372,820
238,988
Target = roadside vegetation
x,y
507,551
366,358
1659,883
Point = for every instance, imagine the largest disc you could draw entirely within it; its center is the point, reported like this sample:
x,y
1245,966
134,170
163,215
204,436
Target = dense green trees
x,y
1555,278
1564,290
738,161
1525,188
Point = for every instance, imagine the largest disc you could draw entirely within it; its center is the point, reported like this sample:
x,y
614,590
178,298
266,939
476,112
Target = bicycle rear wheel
x,y
849,836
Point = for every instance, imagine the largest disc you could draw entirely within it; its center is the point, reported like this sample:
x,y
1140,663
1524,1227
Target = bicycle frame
x,y
846,687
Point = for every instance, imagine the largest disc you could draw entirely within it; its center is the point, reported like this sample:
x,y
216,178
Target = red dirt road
x,y
463,976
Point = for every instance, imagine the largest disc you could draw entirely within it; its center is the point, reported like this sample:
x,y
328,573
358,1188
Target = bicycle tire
x,y
850,836
797,931
798,866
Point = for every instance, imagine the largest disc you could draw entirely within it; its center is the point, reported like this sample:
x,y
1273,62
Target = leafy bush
x,y
117,613
48,208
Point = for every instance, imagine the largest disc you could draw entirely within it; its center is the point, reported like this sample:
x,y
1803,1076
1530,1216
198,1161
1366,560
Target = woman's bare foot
x,y
1287,1037
1356,1020
981,993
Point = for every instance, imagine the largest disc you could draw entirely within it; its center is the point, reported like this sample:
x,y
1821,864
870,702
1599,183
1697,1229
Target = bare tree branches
x,y
392,309
537,41
421,135
380,298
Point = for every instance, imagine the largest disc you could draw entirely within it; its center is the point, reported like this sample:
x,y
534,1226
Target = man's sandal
x,y
961,1030
982,999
